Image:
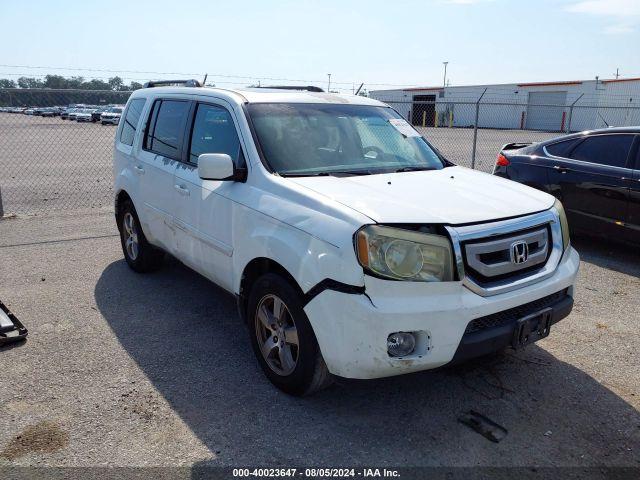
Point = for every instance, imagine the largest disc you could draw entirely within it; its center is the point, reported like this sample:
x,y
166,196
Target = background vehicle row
x,y
105,114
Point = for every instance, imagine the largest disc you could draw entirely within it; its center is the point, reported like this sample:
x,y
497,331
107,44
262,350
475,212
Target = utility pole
x,y
329,83
617,73
444,80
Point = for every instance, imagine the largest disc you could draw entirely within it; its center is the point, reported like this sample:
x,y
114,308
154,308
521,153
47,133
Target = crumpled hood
x,y
454,195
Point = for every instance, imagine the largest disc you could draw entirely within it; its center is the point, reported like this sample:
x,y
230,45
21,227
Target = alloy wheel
x,y
130,232
277,335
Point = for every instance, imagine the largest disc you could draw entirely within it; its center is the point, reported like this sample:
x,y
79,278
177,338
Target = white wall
x,y
503,105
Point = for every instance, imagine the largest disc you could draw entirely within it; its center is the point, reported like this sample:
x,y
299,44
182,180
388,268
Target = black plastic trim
x,y
490,340
331,284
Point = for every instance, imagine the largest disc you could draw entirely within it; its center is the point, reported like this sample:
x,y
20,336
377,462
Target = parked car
x,y
97,113
595,173
64,114
51,112
83,115
28,111
352,246
111,116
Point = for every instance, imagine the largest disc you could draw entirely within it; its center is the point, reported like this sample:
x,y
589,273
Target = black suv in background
x,y
596,175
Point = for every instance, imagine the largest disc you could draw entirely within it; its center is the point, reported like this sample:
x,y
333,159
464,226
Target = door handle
x,y
560,169
182,190
139,170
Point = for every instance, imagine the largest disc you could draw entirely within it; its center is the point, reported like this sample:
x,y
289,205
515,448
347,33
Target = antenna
x,y
359,88
204,82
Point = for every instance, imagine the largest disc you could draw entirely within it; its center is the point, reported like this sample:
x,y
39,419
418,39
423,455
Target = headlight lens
x,y
563,223
404,255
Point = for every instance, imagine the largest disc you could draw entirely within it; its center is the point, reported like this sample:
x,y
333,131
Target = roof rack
x,y
164,83
308,88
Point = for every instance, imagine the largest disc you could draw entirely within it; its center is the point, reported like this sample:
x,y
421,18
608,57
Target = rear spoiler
x,y
514,146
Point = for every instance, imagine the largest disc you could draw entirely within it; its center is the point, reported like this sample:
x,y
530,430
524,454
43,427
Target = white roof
x,y
262,95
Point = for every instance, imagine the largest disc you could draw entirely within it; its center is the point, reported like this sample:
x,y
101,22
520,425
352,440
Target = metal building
x,y
549,106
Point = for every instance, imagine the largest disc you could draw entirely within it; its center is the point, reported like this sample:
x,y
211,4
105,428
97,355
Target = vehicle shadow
x,y
608,254
185,335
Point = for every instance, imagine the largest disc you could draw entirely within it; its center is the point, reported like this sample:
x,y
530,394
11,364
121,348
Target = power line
x,y
242,77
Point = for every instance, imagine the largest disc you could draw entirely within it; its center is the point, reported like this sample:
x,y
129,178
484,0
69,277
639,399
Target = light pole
x,y
444,81
329,84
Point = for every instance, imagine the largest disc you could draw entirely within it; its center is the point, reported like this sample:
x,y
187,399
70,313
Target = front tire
x,y
283,339
140,255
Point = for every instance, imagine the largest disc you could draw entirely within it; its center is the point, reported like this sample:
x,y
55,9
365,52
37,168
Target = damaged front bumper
x,y
352,329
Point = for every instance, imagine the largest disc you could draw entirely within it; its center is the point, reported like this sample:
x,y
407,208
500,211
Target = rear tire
x,y
282,338
140,255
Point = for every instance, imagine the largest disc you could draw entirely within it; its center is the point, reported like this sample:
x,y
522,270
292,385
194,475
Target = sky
x,y
381,43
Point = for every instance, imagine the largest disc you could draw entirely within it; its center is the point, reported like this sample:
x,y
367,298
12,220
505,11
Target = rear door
x,y
594,182
160,155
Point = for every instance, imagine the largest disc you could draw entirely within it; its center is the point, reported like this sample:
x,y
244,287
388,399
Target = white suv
x,y
353,247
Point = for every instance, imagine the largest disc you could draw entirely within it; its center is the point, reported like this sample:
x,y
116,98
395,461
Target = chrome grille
x,y
510,254
545,251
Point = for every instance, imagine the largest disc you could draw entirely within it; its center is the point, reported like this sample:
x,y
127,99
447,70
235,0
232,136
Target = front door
x,y
204,211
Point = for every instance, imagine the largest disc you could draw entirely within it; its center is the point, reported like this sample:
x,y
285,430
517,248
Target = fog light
x,y
400,344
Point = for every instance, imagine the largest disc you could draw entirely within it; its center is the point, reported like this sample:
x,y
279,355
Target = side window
x,y
131,119
610,150
561,149
214,132
164,135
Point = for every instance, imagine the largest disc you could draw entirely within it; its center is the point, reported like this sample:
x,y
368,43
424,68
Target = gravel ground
x,y
49,164
122,369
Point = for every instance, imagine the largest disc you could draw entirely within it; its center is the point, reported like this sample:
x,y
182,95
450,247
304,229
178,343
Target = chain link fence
x,y
472,133
51,164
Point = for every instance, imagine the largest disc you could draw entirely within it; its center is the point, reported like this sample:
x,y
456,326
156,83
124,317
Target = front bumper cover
x,y
352,329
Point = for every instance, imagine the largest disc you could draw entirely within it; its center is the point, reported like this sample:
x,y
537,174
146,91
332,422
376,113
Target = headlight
x,y
404,255
563,223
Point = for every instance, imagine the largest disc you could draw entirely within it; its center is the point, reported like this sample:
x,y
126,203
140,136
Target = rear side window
x,y
214,132
611,150
130,124
164,135
561,149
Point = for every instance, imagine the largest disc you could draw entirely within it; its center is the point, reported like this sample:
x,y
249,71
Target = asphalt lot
x,y
122,369
51,164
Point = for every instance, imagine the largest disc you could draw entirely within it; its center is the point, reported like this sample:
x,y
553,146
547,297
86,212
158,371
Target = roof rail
x,y
164,83
308,88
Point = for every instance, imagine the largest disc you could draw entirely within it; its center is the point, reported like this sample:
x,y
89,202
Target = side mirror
x,y
216,166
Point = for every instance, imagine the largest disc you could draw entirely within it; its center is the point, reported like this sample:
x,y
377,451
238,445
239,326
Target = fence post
x,y
475,131
568,128
1,209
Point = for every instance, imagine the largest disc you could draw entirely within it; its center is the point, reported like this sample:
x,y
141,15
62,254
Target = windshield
x,y
325,139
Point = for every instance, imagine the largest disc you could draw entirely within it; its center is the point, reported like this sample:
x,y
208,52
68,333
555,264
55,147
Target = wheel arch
x,y
254,270
120,199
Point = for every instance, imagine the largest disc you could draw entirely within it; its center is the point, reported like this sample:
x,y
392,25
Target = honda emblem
x,y
519,252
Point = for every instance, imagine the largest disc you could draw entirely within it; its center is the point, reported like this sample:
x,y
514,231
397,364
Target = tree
x,y
115,83
75,82
55,81
5,83
95,84
135,86
29,82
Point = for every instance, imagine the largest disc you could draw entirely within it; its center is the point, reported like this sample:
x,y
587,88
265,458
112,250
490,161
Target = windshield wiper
x,y
412,169
302,174
337,173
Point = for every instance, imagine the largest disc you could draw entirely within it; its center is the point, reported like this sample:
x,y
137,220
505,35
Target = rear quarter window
x,y
131,119
561,149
